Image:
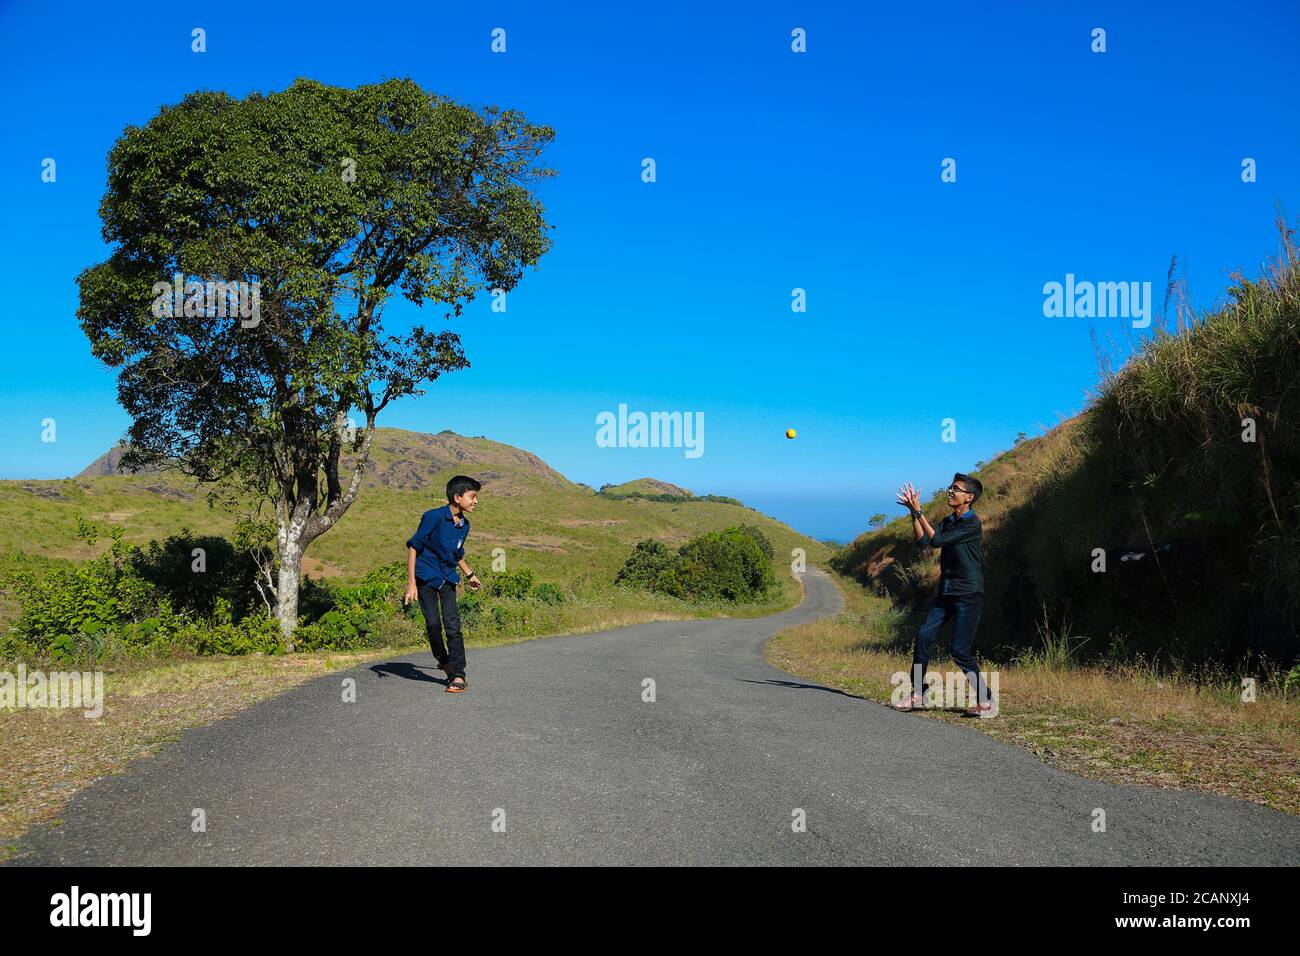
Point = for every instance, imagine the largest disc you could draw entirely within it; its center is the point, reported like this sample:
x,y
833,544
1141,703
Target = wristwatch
x,y
916,515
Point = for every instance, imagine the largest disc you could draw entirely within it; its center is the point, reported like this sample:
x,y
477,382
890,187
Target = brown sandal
x,y
457,685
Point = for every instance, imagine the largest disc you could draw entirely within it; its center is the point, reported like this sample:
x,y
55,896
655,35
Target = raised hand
x,y
907,497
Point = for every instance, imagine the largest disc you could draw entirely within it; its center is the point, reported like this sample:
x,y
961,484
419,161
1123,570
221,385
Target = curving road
x,y
555,741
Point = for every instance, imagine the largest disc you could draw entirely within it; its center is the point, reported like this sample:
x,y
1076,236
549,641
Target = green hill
x,y
560,530
1183,472
646,486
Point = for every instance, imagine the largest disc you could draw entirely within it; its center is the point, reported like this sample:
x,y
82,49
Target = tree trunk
x,y
287,591
301,524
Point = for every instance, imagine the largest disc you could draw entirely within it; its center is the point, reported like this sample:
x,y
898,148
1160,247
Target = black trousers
x,y
964,611
440,611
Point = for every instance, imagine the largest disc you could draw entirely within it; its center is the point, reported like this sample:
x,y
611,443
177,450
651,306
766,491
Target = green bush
x,y
759,536
511,584
548,594
66,601
643,569
471,604
227,572
222,634
731,565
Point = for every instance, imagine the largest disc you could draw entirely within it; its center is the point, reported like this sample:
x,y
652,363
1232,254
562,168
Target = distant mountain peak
x,y
110,463
413,461
648,486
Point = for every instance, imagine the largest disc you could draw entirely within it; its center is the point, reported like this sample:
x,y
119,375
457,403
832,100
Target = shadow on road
x,y
797,686
407,670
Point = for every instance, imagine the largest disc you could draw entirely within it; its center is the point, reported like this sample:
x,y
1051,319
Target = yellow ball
x,y
789,433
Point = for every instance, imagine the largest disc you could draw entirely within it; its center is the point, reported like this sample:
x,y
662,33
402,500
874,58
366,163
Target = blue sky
x,y
776,170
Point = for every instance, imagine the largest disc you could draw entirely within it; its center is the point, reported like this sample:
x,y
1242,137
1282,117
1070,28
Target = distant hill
x,y
646,486
109,463
411,460
543,521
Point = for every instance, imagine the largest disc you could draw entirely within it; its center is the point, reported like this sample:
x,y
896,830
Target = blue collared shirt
x,y
439,543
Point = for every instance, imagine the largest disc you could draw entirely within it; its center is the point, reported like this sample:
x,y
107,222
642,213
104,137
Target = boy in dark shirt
x,y
433,554
960,538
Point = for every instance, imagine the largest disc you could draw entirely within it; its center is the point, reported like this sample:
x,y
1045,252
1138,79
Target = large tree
x,y
314,205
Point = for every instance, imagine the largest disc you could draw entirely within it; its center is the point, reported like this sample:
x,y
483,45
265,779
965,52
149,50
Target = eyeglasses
x,y
960,489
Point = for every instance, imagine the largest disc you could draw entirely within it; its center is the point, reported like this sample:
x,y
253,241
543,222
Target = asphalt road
x,y
553,757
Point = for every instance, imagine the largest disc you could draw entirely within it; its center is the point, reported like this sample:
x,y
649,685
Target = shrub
x,y
547,594
64,601
649,559
732,565
759,536
227,572
511,584
471,608
221,634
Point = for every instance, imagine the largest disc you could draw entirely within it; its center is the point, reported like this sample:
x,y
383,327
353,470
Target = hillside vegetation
x,y
1182,474
560,530
101,565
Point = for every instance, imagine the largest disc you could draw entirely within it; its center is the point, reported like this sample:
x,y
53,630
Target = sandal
x,y
457,685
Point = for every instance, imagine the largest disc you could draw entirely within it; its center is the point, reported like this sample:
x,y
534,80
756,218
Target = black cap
x,y
972,484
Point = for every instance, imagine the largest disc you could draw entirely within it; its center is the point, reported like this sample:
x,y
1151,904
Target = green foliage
x,y
222,634
548,594
511,584
734,564
649,567
759,537
507,604
68,601
229,573
134,600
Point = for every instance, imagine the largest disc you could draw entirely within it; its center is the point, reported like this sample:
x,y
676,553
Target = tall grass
x,y
1172,425
1058,646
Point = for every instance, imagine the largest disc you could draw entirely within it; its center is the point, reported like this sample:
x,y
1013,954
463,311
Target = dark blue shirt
x,y
439,543
961,558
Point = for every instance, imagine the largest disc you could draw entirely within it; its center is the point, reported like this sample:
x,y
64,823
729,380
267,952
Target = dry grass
x,y
1112,725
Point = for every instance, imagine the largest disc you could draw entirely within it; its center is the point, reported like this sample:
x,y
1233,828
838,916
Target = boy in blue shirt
x,y
433,554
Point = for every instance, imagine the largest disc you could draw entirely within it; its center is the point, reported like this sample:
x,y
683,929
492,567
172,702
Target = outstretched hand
x,y
909,498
